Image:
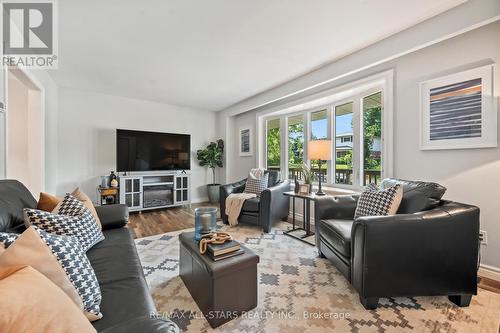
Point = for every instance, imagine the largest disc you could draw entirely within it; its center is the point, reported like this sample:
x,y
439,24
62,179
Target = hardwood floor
x,y
160,221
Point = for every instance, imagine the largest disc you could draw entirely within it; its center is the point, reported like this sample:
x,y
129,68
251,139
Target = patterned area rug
x,y
299,292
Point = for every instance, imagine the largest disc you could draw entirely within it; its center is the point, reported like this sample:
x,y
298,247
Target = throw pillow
x,y
7,238
74,219
63,261
47,202
87,203
376,202
256,185
32,303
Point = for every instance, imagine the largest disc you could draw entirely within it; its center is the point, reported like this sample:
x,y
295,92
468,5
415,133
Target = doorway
x,y
25,134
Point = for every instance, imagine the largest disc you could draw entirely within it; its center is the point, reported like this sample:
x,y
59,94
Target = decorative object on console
x,y
375,202
320,150
459,110
309,177
113,180
245,142
205,221
108,195
63,261
212,157
74,219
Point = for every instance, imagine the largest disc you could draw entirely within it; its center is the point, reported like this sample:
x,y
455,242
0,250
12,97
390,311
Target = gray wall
x,y
471,175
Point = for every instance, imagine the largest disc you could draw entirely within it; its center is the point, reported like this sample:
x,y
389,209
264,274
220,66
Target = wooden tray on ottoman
x,y
222,289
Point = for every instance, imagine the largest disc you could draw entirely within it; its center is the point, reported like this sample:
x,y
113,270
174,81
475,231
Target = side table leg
x,y
293,211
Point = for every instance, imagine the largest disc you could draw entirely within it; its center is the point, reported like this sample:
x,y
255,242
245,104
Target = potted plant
x,y
308,175
211,156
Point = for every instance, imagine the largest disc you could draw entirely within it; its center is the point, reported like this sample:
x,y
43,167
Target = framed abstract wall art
x,y
459,111
245,141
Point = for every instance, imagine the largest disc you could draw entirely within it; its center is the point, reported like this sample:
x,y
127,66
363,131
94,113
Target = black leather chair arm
x,y
338,207
143,324
112,216
416,254
274,205
225,191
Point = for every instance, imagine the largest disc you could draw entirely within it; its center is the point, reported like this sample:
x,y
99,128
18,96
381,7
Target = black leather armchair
x,y
430,252
271,206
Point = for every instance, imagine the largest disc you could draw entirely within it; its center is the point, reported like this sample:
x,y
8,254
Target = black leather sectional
x,y
430,247
127,305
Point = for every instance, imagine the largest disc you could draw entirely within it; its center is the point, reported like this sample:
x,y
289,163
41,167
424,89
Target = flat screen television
x,y
152,151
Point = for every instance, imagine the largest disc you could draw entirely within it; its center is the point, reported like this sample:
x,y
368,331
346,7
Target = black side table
x,y
306,199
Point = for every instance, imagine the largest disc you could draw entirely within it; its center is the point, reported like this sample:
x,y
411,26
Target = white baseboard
x,y
489,272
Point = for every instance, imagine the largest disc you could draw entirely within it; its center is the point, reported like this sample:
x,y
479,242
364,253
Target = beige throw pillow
x,y
32,303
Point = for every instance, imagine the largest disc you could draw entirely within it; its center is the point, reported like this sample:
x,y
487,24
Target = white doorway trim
x,y
33,85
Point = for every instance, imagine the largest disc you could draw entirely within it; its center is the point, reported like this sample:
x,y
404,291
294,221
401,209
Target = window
x,y
295,145
372,138
273,143
319,130
343,143
355,125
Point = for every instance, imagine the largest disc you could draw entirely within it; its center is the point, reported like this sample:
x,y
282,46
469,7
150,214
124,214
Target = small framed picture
x,y
245,142
304,188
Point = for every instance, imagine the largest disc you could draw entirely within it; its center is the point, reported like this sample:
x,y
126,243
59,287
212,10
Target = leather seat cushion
x,y
338,234
124,299
115,258
251,205
14,196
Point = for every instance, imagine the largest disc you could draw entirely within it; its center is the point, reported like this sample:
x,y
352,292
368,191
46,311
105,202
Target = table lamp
x,y
320,150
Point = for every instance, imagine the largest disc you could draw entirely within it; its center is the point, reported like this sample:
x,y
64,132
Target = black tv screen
x,y
152,151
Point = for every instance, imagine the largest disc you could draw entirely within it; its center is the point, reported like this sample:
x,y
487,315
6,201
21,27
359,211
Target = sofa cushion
x,y
274,178
417,195
115,258
124,299
72,219
14,196
251,205
338,234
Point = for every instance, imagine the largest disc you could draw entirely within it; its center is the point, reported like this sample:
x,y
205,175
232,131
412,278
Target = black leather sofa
x,y
262,211
127,305
430,247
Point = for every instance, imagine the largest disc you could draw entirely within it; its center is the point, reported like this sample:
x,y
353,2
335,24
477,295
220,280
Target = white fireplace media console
x,y
143,192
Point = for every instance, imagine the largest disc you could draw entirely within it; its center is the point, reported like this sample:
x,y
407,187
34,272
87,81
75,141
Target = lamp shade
x,y
319,150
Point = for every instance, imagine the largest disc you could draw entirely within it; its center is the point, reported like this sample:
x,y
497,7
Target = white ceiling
x,y
212,54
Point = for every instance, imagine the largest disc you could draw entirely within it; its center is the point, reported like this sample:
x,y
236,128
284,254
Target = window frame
x,y
384,84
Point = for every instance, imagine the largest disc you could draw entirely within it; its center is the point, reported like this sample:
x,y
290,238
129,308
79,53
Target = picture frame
x,y
459,111
304,188
245,142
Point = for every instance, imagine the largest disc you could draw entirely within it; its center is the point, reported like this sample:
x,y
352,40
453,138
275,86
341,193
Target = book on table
x,y
219,249
226,255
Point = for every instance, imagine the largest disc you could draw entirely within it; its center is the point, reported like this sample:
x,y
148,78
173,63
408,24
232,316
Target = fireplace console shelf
x,y
153,191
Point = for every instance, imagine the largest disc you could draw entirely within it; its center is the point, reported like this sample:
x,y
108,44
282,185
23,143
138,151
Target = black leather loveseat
x,y
430,247
127,305
262,211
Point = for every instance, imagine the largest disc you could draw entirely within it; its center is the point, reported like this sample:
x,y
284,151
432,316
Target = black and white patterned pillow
x,y
256,186
73,219
7,238
376,202
71,256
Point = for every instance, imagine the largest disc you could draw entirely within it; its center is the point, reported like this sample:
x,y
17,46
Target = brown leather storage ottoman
x,y
222,289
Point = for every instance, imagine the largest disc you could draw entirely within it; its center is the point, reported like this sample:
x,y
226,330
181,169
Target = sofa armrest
x,y
144,325
112,216
274,205
225,191
433,252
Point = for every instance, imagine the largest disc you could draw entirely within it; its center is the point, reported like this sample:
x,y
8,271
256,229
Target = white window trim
x,y
384,83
